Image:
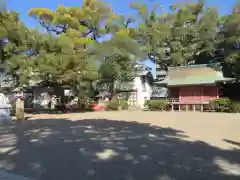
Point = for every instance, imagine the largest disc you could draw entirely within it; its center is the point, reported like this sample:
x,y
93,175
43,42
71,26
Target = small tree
x,y
118,59
229,41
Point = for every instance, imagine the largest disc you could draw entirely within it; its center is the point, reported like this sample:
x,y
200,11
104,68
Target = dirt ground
x,y
126,145
212,128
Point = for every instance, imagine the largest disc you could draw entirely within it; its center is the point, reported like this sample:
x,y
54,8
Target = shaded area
x,y
103,149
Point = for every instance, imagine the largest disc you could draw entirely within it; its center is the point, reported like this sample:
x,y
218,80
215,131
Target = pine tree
x,y
68,58
176,38
16,40
76,49
89,20
152,31
229,41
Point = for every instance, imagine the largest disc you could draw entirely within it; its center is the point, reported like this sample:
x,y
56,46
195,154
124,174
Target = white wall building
x,y
141,89
143,85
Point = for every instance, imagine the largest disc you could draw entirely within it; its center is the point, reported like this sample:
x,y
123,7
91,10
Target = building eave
x,y
226,80
191,84
160,83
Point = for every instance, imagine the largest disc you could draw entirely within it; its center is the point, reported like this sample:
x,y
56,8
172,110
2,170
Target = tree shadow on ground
x,y
100,149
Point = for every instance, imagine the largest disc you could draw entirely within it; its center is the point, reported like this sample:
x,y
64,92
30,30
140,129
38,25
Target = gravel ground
x,y
124,146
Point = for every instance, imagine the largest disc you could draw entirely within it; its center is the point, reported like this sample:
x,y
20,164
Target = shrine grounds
x,y
124,145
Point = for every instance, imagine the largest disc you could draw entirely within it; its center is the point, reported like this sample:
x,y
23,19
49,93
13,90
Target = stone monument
x,y
19,105
5,108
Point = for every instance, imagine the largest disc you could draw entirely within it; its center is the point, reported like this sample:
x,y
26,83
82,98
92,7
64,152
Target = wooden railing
x,y
191,101
173,100
190,105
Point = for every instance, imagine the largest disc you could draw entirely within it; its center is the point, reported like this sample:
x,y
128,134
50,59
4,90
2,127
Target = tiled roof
x,y
194,74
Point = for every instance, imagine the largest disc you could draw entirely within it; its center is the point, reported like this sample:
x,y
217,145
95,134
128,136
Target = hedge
x,y
221,104
157,105
113,105
225,105
235,107
123,104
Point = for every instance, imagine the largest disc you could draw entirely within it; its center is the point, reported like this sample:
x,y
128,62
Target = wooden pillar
x,y
172,106
20,106
186,107
201,107
34,99
194,107
179,99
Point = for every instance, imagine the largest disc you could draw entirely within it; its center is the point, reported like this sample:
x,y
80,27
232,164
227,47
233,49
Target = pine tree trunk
x,y
20,107
112,90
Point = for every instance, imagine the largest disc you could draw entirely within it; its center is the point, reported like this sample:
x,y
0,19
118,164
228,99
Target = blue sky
x,y
119,6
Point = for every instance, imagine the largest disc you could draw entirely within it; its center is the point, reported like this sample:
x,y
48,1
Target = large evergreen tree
x,y
176,38
77,47
229,41
66,56
16,41
75,43
152,31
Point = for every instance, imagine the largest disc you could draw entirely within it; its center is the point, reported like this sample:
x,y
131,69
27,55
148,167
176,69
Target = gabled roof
x,y
194,75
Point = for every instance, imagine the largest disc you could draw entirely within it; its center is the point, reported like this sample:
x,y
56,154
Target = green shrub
x,y
88,108
155,105
113,105
235,107
123,104
221,104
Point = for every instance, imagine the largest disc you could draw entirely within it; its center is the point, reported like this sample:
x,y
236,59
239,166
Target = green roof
x,y
194,75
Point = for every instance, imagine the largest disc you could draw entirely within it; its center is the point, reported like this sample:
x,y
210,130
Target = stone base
x,y
20,109
5,117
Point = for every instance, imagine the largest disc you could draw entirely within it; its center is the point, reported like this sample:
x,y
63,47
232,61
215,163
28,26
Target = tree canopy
x,y
77,32
89,43
176,38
